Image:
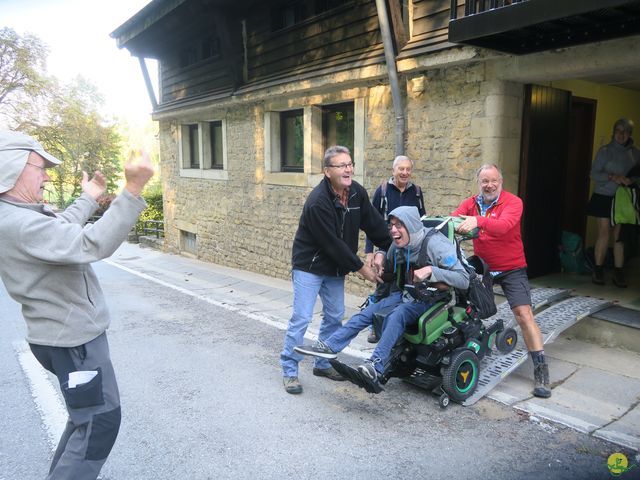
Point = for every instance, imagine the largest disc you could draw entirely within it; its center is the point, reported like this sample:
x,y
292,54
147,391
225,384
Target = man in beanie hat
x,y
45,265
439,265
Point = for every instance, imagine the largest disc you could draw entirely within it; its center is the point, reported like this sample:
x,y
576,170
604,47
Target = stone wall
x,y
452,117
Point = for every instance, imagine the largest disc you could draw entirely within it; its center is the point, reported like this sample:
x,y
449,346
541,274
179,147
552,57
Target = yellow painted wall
x,y
613,103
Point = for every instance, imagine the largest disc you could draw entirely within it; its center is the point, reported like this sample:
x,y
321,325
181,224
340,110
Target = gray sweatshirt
x,y
441,253
612,159
45,264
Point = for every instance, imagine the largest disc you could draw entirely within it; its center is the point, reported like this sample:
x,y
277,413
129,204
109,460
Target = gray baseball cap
x,y
15,148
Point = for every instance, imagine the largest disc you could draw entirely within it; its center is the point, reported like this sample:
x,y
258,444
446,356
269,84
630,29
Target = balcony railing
x,y
472,7
526,26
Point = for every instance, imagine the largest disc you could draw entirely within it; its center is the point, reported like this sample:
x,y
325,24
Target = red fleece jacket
x,y
499,242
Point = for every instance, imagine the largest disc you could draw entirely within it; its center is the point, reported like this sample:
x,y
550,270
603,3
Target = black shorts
x,y
515,285
599,206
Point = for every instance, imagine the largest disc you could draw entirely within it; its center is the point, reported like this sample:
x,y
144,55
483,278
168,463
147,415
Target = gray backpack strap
x,y
423,256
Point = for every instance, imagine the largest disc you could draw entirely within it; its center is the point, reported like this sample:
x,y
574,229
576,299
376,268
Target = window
x,y
195,52
297,11
295,140
192,154
292,141
338,125
204,150
188,242
215,141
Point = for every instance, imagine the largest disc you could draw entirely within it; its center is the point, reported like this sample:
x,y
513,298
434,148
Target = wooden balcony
x,y
527,26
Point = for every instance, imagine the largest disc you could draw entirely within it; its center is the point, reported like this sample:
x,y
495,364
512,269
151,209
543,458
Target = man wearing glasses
x,y
324,251
45,265
497,213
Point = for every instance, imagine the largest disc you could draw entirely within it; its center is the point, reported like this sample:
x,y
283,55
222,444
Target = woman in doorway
x,y
613,162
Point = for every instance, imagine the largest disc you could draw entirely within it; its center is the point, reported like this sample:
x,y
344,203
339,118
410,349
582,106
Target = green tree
x,y
74,131
22,75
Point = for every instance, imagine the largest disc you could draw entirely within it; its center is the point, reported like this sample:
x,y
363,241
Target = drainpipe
x,y
390,58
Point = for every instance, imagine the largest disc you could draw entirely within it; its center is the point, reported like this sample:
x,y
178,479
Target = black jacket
x,y
327,238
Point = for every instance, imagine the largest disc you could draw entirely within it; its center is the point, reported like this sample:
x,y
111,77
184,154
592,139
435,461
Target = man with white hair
x,y
497,214
45,265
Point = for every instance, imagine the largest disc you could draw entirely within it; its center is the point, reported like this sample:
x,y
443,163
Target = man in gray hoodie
x,y
45,265
407,258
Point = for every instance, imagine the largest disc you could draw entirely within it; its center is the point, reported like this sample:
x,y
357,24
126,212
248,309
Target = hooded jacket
x,y
45,264
326,241
441,253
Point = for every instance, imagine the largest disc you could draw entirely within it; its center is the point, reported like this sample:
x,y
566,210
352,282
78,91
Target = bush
x,y
154,206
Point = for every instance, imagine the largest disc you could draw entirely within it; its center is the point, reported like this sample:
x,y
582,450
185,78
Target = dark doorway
x,y
581,130
543,174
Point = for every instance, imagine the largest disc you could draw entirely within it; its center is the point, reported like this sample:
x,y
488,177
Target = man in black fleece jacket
x,y
324,251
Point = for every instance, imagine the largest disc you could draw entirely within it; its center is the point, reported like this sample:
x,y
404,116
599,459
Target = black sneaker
x,y
368,370
372,337
541,381
370,374
318,349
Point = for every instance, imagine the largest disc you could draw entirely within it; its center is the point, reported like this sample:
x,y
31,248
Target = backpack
x,y
480,292
384,204
625,207
571,252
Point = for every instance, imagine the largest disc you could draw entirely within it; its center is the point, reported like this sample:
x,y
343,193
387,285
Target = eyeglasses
x,y
342,166
37,166
398,225
485,183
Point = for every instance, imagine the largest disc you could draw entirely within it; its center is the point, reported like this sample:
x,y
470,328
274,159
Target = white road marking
x,y
45,395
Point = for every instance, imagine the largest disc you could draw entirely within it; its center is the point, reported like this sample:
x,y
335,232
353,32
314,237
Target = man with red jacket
x,y
497,214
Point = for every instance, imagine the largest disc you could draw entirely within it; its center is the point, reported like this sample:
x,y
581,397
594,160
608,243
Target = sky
x,y
77,34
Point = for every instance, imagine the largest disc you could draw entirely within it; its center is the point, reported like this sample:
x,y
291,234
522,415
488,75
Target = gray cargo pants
x,y
93,407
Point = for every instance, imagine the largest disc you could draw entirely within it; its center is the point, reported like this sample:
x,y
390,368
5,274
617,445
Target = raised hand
x,y
94,187
137,171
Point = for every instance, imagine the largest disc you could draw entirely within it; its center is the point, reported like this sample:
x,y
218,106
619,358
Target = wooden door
x,y
543,171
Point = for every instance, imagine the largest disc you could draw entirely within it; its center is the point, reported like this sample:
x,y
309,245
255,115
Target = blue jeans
x,y
306,288
402,316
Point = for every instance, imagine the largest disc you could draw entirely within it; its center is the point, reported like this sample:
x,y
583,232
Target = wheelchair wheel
x,y
506,340
460,377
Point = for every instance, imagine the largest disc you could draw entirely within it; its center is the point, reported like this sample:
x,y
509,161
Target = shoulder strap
x,y
383,200
423,256
419,197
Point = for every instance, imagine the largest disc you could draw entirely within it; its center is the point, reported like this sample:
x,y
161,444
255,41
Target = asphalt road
x,y
202,398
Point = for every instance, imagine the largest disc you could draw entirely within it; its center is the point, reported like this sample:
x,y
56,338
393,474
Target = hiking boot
x,y
597,276
368,370
292,385
318,349
618,278
329,373
372,337
541,381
